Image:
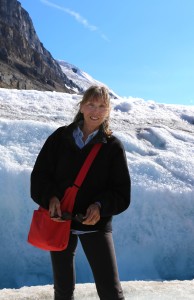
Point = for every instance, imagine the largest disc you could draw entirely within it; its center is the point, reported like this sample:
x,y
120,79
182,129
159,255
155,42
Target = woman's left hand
x,y
92,215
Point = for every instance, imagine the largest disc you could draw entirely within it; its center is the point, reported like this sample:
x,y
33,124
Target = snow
x,y
154,238
134,290
79,77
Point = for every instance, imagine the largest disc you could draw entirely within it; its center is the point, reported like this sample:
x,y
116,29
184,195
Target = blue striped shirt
x,y
78,136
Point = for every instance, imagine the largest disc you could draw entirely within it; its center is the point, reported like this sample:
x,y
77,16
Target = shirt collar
x,y
79,132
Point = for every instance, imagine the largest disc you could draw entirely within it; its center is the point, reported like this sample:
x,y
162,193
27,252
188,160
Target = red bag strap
x,y
86,165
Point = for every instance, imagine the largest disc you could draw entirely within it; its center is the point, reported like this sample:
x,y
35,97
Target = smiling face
x,y
94,111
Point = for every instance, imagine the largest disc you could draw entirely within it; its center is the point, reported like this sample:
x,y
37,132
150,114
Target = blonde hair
x,y
95,92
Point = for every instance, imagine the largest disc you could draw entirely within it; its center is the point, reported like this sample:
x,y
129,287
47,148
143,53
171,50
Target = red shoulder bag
x,y
50,235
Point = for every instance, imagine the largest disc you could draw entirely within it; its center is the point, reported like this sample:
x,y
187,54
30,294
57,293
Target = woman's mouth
x,y
94,118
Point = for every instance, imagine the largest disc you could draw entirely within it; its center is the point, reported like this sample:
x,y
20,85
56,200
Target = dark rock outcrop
x,y
24,62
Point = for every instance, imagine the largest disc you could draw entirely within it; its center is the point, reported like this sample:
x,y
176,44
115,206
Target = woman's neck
x,y
87,131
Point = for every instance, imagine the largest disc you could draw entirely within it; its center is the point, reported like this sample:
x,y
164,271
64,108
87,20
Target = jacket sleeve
x,y
43,185
116,198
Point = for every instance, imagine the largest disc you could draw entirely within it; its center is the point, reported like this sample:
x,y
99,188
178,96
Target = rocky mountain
x,y
24,62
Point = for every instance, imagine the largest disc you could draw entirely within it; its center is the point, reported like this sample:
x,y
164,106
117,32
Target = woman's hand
x,y
55,209
92,215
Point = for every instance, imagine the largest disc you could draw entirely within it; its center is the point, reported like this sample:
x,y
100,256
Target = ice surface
x,y
133,290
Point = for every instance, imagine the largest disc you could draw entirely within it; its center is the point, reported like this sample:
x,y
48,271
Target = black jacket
x,y
108,180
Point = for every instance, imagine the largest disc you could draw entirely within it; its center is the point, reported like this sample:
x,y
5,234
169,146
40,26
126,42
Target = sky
x,y
154,237
138,48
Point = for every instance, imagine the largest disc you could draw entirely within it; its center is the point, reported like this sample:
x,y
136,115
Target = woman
x,y
105,192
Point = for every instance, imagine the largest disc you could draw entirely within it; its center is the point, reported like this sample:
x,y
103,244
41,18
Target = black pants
x,y
99,250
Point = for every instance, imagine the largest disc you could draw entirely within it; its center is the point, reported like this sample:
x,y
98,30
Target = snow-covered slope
x,y
154,238
79,77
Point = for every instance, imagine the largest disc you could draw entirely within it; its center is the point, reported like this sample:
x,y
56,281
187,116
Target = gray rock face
x,y
24,62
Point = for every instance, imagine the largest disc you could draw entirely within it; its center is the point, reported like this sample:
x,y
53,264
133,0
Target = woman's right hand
x,y
55,209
